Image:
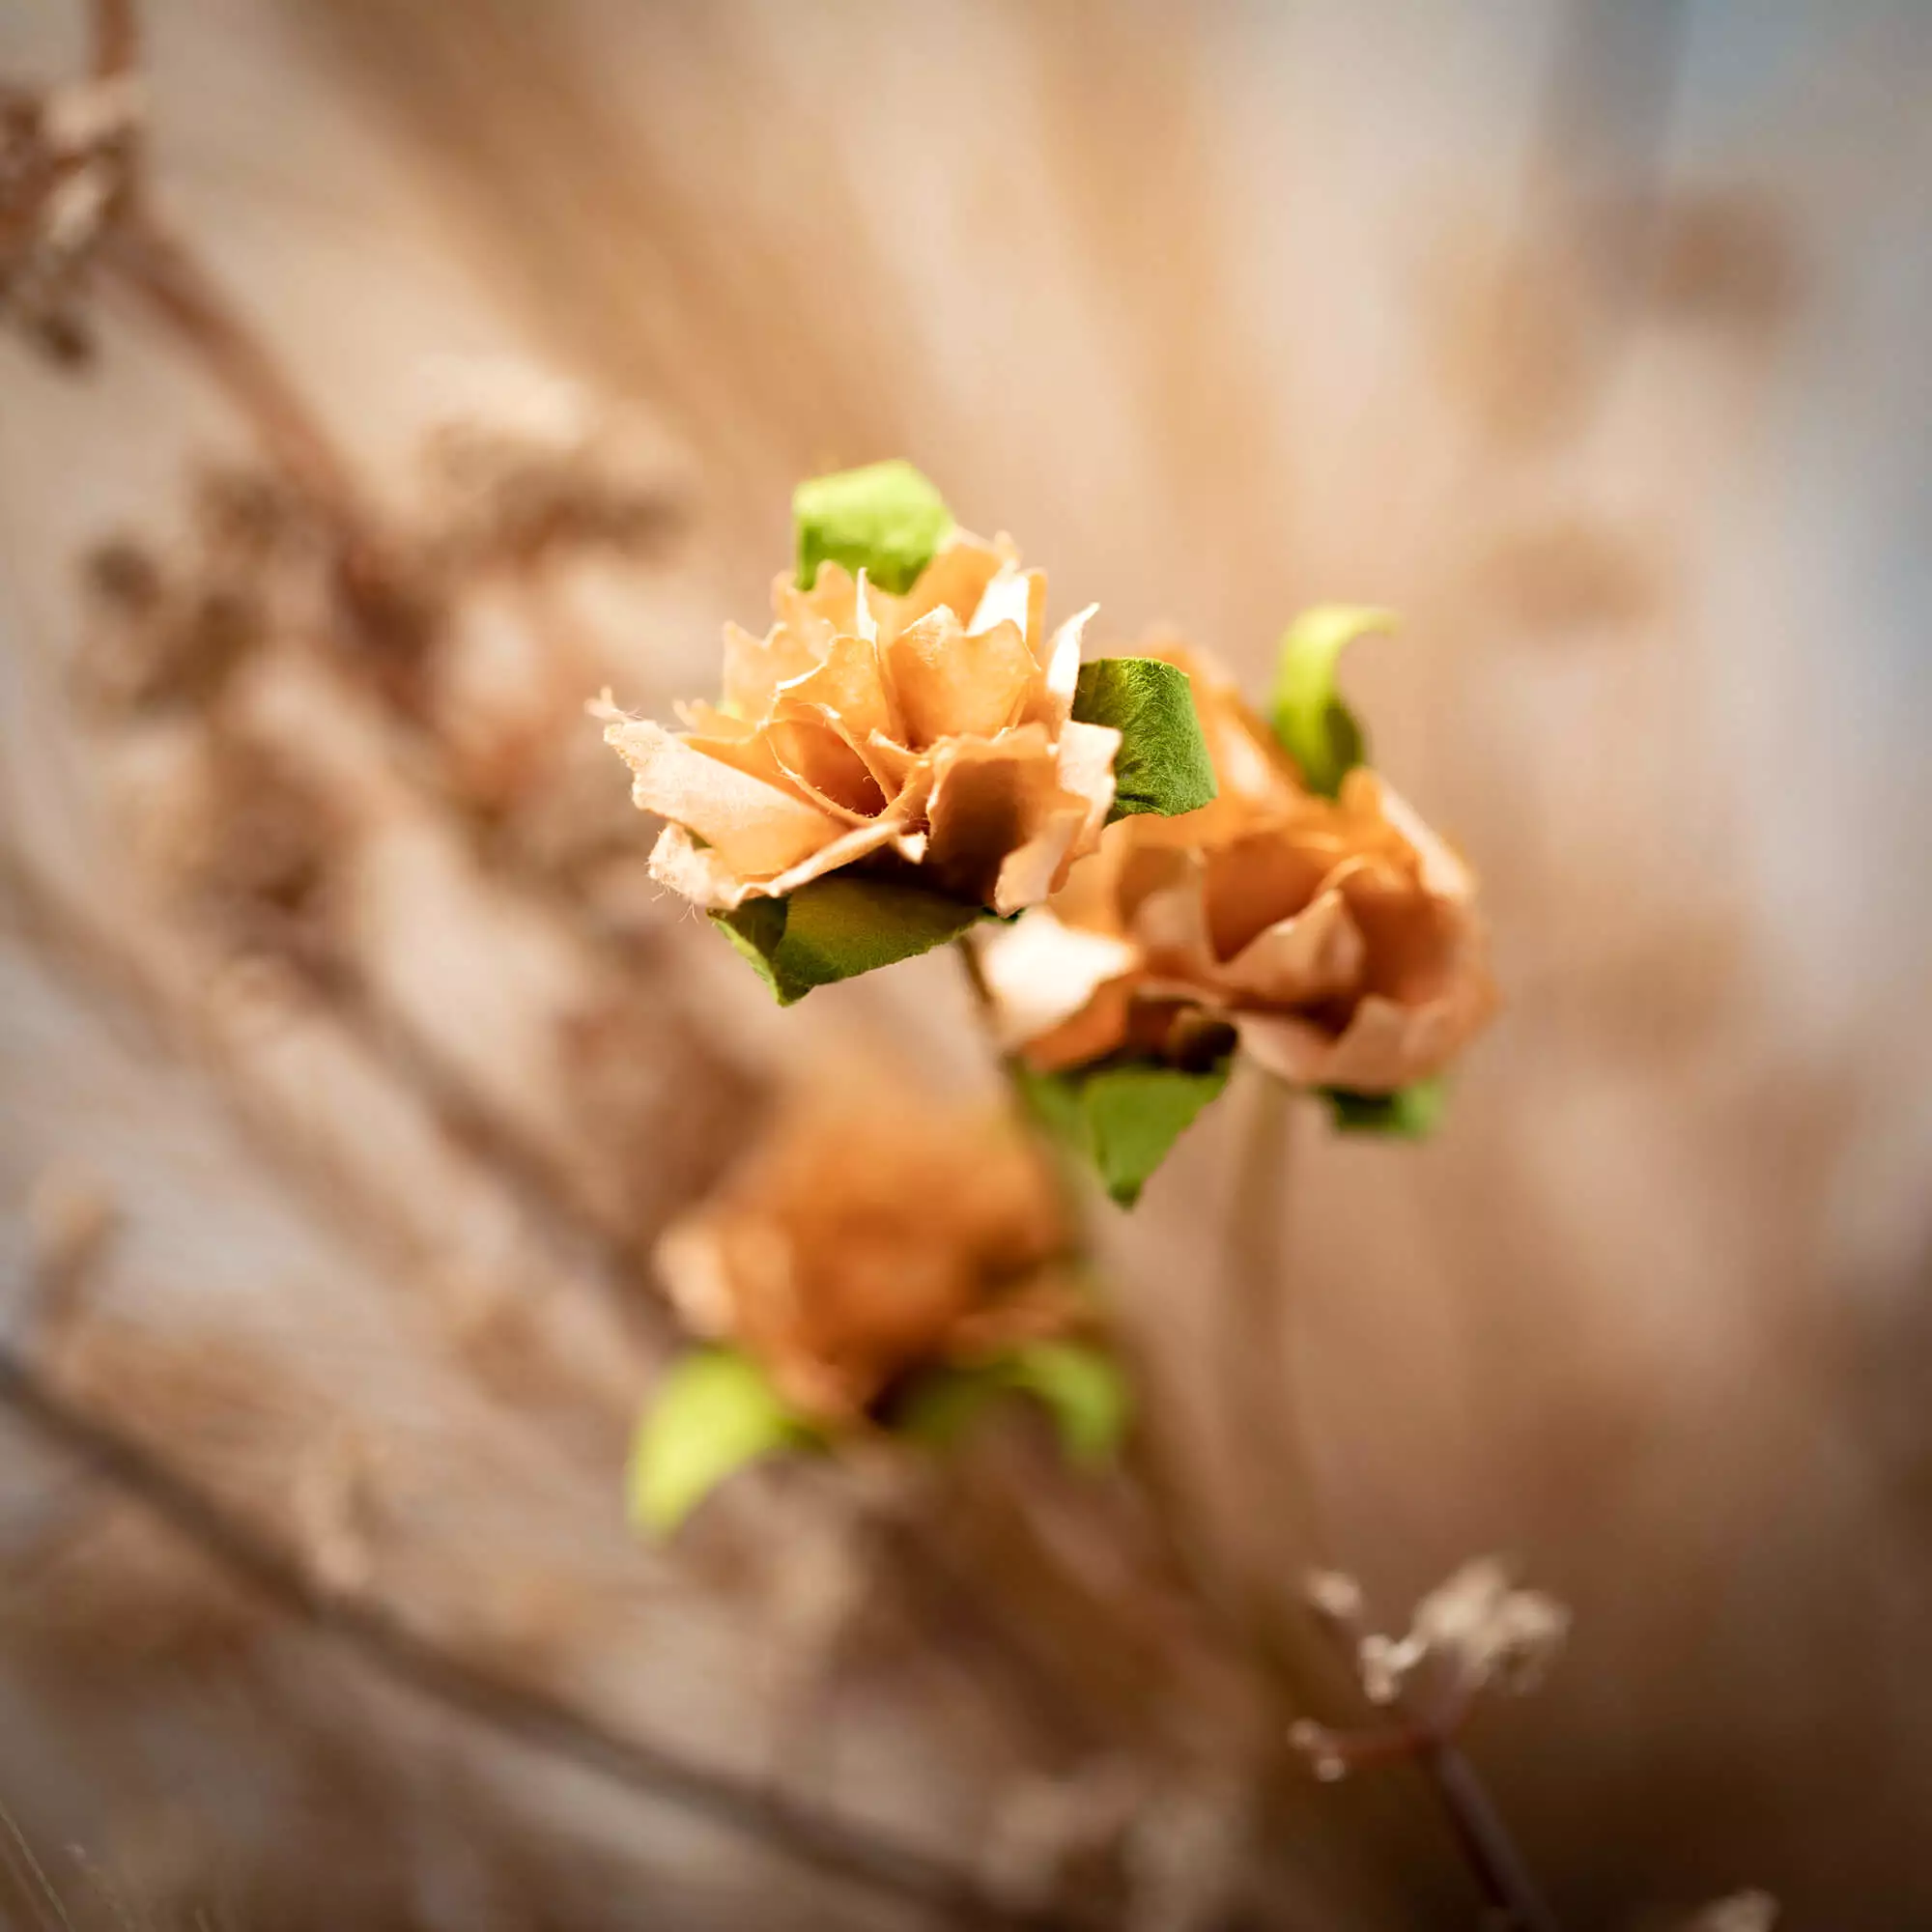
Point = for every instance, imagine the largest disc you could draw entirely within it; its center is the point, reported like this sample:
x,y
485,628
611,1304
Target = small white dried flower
x,y
1323,1748
1336,1598
1485,1630
1384,1662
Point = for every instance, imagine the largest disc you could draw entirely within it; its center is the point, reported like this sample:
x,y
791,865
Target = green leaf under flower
x,y
715,1413
1410,1113
1162,764
1083,1388
1122,1117
1080,1386
838,926
1316,728
885,518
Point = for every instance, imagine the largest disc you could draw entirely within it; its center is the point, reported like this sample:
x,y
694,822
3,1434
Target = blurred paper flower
x,y
1336,936
865,1241
877,1263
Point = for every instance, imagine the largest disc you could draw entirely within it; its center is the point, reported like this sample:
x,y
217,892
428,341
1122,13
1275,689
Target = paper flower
x,y
1336,937
932,728
871,1237
928,748
876,1264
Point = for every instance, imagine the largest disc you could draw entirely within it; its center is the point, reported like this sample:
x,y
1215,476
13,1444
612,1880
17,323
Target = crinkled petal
x,y
755,666
745,751
1168,920
956,579
1318,954
1017,597
1060,671
1085,769
690,1261
818,758
1259,880
1029,873
849,685
989,797
1099,1028
755,827
950,684
1385,1045
1042,972
1442,872
703,877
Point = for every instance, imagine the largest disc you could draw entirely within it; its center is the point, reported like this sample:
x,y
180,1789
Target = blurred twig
x,y
383,1639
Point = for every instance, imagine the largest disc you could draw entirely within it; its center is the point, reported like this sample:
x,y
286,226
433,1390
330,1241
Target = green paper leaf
x,y
1083,1390
1315,728
885,518
838,926
1080,1386
1162,764
1124,1117
1410,1113
714,1412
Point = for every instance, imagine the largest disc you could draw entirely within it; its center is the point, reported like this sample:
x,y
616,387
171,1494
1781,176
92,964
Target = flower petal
x,y
956,579
703,877
1059,672
1030,871
1442,872
755,666
1085,769
1318,955
950,684
989,797
818,758
1099,1028
1042,972
1013,597
755,827
1259,880
849,684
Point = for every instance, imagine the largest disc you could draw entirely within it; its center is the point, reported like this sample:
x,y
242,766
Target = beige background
x,y
1592,339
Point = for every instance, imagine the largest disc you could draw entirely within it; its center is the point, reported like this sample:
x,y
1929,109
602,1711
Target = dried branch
x,y
115,27
376,1634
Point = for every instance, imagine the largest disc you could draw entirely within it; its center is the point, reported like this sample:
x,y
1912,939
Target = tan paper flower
x,y
1336,936
927,735
872,1236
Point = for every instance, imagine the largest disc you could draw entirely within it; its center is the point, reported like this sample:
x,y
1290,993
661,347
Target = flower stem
x,y
1485,1842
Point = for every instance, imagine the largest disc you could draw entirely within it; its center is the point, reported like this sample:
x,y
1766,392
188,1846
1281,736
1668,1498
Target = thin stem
x,y
386,1641
115,29
1485,1841
1258,1389
1426,1736
975,978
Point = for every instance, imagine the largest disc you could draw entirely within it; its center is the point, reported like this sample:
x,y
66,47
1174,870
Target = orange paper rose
x,y
926,736
1336,937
